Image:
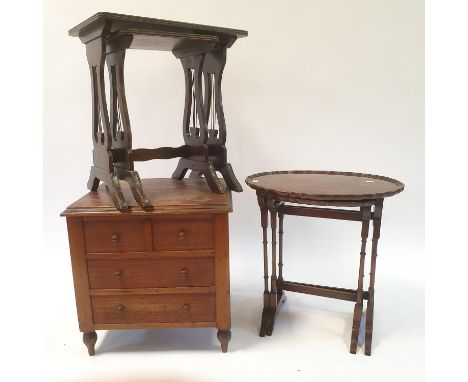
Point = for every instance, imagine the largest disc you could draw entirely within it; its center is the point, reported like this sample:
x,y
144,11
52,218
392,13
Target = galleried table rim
x,y
319,197
274,205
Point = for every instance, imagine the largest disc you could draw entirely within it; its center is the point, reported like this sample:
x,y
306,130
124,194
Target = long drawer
x,y
151,273
127,309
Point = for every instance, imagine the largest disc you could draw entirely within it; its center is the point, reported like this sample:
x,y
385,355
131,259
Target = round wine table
x,y
355,197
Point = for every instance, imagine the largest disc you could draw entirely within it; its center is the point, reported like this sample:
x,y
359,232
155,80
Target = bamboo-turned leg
x,y
280,292
224,337
370,303
273,280
366,214
89,339
266,292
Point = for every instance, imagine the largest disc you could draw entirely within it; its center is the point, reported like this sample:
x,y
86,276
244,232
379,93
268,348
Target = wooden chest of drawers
x,y
164,268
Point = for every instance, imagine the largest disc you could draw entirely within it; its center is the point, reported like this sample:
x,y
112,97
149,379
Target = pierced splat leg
x,y
103,168
120,121
366,214
370,303
224,336
89,339
201,110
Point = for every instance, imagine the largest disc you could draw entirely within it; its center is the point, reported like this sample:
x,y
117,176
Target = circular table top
x,y
324,185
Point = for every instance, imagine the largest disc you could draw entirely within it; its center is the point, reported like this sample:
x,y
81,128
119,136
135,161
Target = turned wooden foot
x,y
224,336
89,339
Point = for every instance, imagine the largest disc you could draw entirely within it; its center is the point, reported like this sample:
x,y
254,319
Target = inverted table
x,y
282,193
202,52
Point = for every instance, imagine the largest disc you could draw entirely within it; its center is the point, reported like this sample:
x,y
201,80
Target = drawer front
x,y
128,309
151,273
178,233
114,235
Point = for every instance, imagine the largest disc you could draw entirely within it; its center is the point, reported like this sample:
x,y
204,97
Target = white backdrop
x,y
322,85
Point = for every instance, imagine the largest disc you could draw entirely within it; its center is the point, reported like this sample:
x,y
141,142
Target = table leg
x,y
370,303
273,280
266,292
366,214
280,292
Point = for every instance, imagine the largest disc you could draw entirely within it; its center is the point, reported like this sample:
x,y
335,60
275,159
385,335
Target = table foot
x,y
89,339
269,316
133,180
369,324
198,168
224,337
112,185
228,175
355,329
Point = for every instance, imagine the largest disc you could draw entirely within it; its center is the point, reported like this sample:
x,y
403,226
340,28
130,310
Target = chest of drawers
x,y
164,268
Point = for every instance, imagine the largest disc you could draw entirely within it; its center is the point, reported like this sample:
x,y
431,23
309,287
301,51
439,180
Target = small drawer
x,y
178,233
130,309
151,273
114,235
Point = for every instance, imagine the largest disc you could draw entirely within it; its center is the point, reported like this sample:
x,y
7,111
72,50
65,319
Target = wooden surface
x,y
166,196
147,23
324,185
142,269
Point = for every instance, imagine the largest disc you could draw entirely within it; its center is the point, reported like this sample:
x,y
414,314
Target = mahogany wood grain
x,y
127,309
80,274
325,185
116,235
167,196
181,232
151,273
174,290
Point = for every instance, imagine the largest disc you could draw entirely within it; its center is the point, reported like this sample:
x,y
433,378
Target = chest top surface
x,y
190,195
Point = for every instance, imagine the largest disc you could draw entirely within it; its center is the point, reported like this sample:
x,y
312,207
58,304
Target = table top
x,y
116,21
324,185
190,195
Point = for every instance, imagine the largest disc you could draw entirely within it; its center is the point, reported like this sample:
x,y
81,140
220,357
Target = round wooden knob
x,y
184,272
186,307
115,238
119,308
117,273
182,235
